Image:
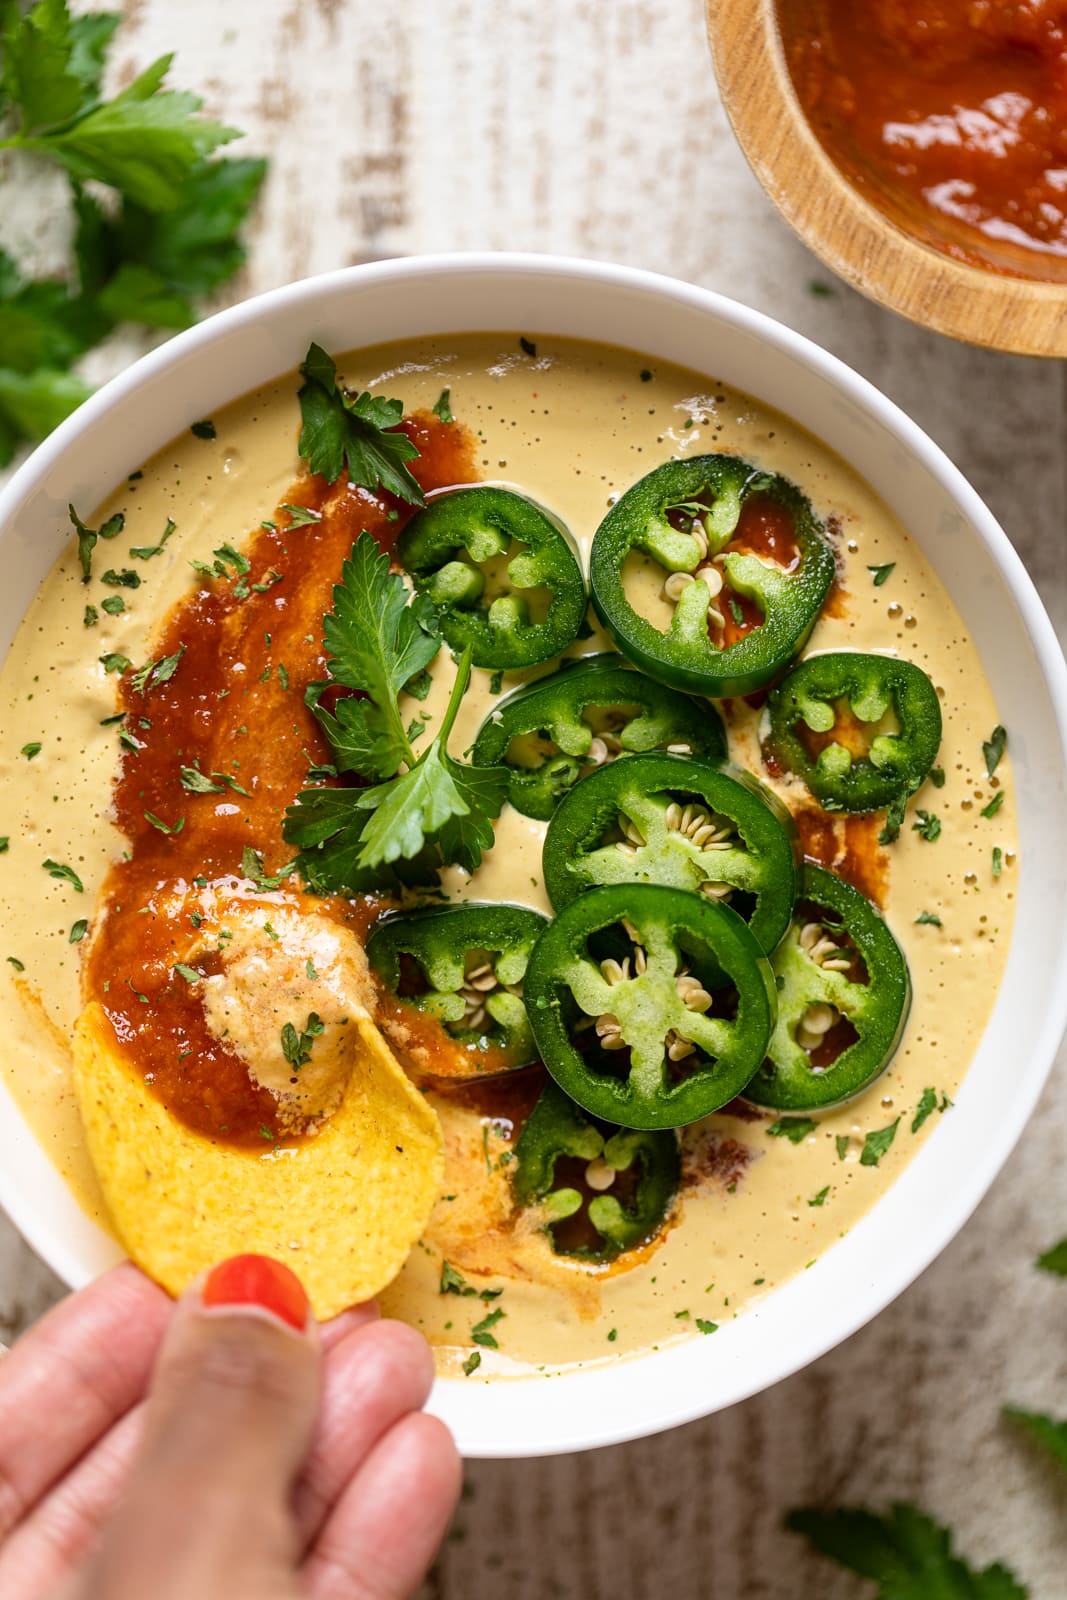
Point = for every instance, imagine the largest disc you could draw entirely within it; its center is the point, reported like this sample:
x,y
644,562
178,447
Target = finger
x,y
83,1365
53,1540
388,1524
331,1333
228,1422
372,1378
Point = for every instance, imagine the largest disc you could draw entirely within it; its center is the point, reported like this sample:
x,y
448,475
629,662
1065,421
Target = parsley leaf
x,y
473,1362
905,1552
927,1106
928,826
705,1326
481,1334
296,1046
795,1129
252,868
1049,1433
928,919
876,1144
994,805
894,819
1054,1260
65,874
820,1198
145,552
198,782
87,538
300,516
880,574
154,673
443,408
993,748
78,931
359,431
204,430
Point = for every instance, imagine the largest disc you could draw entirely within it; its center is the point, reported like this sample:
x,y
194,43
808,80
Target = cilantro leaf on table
x,y
1047,1431
905,1552
360,431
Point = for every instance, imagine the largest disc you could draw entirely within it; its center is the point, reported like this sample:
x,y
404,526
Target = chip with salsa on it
x,y
343,1206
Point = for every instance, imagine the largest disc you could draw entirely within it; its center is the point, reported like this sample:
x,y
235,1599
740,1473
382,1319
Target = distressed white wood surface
x,y
595,129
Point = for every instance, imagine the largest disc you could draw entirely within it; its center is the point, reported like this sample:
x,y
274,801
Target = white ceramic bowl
x,y
222,358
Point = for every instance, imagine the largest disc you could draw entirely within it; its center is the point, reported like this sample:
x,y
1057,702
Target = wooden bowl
x,y
854,238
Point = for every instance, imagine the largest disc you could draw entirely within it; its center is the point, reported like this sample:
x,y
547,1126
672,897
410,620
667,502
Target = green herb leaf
x,y
820,1198
5,844
927,919
443,409
155,673
164,827
993,749
296,1046
114,661
453,1282
1050,1434
91,616
480,1333
19,966
65,874
203,430
360,432
875,1145
894,821
300,516
114,605
198,782
927,1106
31,750
123,579
994,805
252,868
33,403
704,1326
527,346
905,1552
928,826
190,974
78,931
881,574
842,1143
795,1129
998,860
1054,1260
473,1362
87,538
145,552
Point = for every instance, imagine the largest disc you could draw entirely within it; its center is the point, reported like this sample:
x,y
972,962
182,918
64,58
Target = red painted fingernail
x,y
258,1281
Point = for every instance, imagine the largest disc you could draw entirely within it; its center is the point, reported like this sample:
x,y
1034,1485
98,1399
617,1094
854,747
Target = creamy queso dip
x,y
572,427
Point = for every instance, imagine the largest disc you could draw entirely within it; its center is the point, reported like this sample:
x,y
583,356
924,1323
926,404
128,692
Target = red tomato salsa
x,y
950,115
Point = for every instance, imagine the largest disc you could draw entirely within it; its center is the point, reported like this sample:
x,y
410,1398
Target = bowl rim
x,y
862,244
472,1409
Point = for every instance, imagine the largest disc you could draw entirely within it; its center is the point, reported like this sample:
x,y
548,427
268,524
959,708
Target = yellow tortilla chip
x,y
342,1208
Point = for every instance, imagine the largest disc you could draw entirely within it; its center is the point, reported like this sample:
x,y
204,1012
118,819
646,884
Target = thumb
x,y
228,1423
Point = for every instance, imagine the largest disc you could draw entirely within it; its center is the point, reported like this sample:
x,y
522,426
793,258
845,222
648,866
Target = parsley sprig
x,y
165,237
430,804
905,1552
359,431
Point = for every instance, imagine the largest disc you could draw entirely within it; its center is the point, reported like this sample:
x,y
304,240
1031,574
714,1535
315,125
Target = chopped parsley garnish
x,y
19,966
155,673
378,639
443,409
998,860
613,1334
473,1362
115,661
300,516
795,1129
481,1332
125,578
527,346
310,970
190,974
91,617
203,430
881,574
296,1046
1050,1434
78,931
905,1552
928,826
5,844
928,919
706,1326
842,1143
198,782
164,827
876,1144
145,552
31,750
56,869
355,432
926,1108
820,1198
87,537
252,868
114,605
993,749
994,805
894,820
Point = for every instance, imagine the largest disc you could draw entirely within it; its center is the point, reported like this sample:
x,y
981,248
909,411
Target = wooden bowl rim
x,y
854,238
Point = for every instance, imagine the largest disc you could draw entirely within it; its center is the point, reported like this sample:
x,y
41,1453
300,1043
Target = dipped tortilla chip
x,y
342,1207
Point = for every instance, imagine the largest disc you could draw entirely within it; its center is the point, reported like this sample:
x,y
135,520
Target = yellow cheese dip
x,y
572,427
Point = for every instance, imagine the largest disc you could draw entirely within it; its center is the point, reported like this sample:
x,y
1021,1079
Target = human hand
x,y
269,1460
